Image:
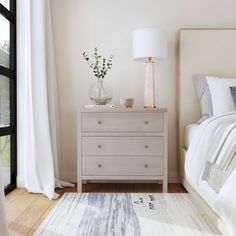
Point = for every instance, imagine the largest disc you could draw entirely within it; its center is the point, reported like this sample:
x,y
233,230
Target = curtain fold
x,y
3,222
38,127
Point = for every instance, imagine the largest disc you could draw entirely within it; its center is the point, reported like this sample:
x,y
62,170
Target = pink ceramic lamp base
x,y
149,90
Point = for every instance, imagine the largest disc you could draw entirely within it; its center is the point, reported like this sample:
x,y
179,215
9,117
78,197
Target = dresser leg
x,y
79,186
165,186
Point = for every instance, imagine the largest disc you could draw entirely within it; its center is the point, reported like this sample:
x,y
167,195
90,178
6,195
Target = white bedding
x,y
190,131
214,138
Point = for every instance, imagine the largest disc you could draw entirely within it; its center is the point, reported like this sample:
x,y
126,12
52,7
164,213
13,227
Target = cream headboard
x,y
201,51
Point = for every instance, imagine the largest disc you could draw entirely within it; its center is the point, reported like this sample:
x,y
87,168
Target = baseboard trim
x,y
72,177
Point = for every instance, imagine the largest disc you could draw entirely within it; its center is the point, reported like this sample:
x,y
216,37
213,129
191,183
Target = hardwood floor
x,y
26,211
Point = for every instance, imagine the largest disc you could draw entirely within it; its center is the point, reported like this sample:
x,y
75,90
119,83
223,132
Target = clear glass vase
x,y
100,92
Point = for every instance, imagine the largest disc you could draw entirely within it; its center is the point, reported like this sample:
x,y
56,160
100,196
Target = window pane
x,y
4,101
5,3
5,159
4,42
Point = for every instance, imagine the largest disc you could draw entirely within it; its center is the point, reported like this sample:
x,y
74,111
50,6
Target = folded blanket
x,y
216,176
222,164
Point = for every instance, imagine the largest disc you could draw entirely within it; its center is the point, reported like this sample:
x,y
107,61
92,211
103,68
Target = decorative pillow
x,y
221,98
204,96
233,93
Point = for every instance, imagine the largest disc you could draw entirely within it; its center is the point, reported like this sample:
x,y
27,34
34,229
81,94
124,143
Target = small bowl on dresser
x,y
128,102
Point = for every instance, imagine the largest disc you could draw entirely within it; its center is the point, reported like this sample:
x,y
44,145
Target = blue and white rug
x,y
126,214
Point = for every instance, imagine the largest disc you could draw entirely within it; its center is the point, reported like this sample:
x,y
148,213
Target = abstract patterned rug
x,y
126,214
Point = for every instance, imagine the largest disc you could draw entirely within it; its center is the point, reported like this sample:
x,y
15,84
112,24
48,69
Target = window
x,y
8,93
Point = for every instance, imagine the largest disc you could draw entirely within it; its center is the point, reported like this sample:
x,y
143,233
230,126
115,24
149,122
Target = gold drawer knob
x,y
146,166
99,122
146,122
99,165
145,146
99,146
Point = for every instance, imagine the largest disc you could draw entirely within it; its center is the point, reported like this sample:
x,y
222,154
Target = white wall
x,y
108,24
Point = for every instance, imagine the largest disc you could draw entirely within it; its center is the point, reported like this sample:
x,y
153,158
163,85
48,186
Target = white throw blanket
x,y
215,141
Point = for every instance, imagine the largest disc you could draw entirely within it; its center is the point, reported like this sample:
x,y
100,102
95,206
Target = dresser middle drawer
x,y
137,146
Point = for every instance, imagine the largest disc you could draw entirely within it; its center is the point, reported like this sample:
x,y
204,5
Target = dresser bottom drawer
x,y
120,165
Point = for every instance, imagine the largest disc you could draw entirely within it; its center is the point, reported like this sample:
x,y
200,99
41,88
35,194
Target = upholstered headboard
x,y
201,51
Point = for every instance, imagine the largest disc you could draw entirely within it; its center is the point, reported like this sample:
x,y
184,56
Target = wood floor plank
x,y
177,188
41,219
25,221
10,197
132,187
20,204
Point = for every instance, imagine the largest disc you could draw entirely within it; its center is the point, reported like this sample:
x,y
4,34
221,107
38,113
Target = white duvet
x,y
215,136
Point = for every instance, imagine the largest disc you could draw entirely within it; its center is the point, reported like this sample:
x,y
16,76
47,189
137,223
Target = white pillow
x,y
221,97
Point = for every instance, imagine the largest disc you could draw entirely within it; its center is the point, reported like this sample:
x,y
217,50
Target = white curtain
x,y
3,222
38,136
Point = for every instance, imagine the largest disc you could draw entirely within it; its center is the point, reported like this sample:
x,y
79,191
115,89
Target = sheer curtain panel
x,y
38,128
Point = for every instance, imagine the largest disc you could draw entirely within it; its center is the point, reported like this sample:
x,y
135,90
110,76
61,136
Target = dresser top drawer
x,y
122,122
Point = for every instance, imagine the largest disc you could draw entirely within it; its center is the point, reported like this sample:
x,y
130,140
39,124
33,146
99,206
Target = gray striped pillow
x,y
204,96
233,92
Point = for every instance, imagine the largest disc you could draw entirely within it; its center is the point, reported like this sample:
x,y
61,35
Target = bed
x,y
209,52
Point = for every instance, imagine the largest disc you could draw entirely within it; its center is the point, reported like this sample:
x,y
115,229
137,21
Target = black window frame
x,y
10,72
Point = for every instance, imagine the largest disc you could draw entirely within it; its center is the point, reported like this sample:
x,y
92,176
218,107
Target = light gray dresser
x,y
122,144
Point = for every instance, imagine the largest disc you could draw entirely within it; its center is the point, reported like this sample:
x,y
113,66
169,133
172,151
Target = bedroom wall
x,y
108,24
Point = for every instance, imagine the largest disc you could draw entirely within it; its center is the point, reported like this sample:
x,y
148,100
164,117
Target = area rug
x,y
126,214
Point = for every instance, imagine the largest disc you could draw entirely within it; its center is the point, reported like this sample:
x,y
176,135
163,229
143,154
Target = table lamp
x,y
149,43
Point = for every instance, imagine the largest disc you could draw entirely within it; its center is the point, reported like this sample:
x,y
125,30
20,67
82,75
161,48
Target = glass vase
x,y
100,92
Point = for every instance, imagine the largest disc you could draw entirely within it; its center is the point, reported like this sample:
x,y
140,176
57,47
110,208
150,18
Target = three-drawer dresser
x,y
122,144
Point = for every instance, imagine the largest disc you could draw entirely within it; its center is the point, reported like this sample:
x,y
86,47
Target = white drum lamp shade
x,y
149,43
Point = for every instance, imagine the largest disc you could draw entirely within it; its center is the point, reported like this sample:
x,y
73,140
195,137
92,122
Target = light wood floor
x,y
26,211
